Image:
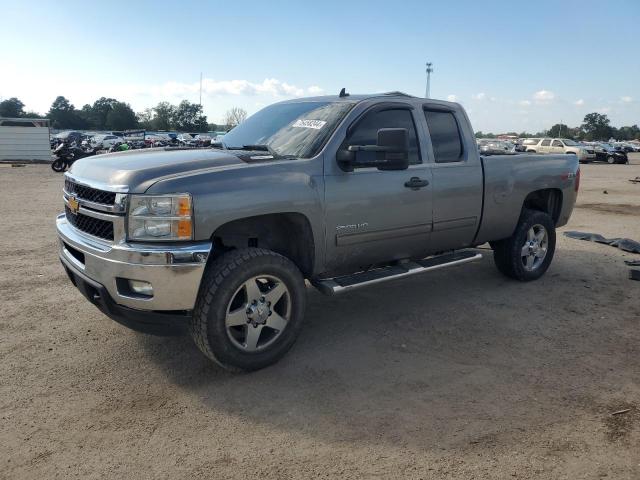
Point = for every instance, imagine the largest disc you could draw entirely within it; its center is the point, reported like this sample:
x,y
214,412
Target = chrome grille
x,y
88,193
93,226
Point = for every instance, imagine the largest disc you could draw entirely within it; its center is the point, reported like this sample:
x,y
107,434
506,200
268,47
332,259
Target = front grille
x,y
92,226
89,194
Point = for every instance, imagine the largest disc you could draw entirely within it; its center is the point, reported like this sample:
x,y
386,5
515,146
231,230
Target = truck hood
x,y
136,170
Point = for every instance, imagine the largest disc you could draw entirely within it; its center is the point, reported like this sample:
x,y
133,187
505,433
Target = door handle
x,y
416,183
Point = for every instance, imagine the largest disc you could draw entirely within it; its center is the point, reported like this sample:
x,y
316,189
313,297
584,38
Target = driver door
x,y
376,216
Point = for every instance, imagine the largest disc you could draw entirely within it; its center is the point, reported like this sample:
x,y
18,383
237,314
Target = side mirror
x,y
391,152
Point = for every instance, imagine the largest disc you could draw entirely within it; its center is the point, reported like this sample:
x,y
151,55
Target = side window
x,y
366,132
557,143
445,136
546,142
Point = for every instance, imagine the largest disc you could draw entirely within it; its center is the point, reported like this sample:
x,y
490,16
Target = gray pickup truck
x,y
343,191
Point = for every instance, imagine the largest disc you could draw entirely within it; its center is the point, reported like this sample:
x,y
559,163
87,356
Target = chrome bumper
x,y
174,271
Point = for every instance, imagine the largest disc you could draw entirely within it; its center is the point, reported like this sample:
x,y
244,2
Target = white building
x,y
24,139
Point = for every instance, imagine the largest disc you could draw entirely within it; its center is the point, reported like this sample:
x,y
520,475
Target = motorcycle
x,y
66,154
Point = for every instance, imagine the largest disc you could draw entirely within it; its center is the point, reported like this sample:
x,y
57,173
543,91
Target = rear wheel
x,y
249,310
611,160
527,254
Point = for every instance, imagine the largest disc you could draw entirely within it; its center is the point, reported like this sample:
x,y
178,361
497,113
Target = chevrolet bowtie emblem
x,y
73,204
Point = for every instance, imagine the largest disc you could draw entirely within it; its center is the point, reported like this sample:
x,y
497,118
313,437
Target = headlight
x,y
160,217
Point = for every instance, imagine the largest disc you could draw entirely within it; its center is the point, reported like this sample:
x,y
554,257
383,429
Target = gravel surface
x,y
460,373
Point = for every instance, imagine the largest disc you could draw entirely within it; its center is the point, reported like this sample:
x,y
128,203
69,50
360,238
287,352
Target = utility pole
x,y
429,70
560,130
200,88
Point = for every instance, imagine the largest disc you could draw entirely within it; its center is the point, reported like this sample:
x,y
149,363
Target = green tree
x,y
100,111
189,117
64,115
596,126
559,130
11,108
121,117
164,116
145,118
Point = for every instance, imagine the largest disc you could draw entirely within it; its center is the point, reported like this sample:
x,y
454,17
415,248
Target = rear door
x,y
545,146
457,178
375,216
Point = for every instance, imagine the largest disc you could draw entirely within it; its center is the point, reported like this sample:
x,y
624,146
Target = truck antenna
x,y
343,93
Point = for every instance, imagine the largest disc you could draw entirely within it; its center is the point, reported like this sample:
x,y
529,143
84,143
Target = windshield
x,y
569,143
296,129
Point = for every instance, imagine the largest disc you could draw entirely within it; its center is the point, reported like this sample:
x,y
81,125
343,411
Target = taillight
x,y
577,182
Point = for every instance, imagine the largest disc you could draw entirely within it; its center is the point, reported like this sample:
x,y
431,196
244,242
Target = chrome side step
x,y
333,286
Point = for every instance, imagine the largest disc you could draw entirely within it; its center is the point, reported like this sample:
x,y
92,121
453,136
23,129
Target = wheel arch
x,y
548,200
287,233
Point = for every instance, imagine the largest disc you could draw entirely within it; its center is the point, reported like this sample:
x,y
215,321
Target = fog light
x,y
141,288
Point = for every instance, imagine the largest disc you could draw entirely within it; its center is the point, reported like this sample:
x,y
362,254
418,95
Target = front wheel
x,y
249,310
611,160
58,165
527,254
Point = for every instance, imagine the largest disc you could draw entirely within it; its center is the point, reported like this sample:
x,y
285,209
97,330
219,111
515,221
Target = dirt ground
x,y
460,373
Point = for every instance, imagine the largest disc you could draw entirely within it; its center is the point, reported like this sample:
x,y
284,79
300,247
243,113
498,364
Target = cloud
x,y
626,99
604,110
525,103
543,96
479,96
452,98
579,102
315,90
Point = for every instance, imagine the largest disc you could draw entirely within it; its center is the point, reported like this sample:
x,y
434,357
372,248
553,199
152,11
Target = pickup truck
x,y
343,191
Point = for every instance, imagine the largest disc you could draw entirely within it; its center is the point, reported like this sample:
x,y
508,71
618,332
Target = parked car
x,y
187,140
345,191
496,147
104,142
528,143
203,140
606,152
563,145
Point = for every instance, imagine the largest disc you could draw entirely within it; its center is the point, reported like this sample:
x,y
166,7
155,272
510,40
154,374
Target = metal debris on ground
x,y
633,263
620,412
635,180
625,244
634,274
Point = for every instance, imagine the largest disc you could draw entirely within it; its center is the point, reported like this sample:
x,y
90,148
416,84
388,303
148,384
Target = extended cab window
x,y
546,142
366,131
445,136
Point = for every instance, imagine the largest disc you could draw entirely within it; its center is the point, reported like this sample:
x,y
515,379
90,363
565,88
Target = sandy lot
x,y
456,374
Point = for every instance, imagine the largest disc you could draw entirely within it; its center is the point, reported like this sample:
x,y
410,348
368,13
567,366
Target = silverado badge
x,y
73,204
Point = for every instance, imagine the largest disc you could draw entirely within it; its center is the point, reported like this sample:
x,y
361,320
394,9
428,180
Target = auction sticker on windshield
x,y
316,124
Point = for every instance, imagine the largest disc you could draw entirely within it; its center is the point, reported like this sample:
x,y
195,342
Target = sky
x,y
514,65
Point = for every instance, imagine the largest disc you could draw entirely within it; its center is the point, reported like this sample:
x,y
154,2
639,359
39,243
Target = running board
x,y
333,286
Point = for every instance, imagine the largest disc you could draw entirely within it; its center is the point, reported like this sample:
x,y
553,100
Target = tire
x,y
231,323
58,165
611,160
509,254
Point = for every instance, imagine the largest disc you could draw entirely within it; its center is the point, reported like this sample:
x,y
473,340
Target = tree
x,y
121,117
235,116
164,118
145,118
11,108
189,118
596,127
559,130
100,111
64,115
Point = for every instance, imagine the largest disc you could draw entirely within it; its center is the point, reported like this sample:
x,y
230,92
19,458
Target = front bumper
x,y
174,271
